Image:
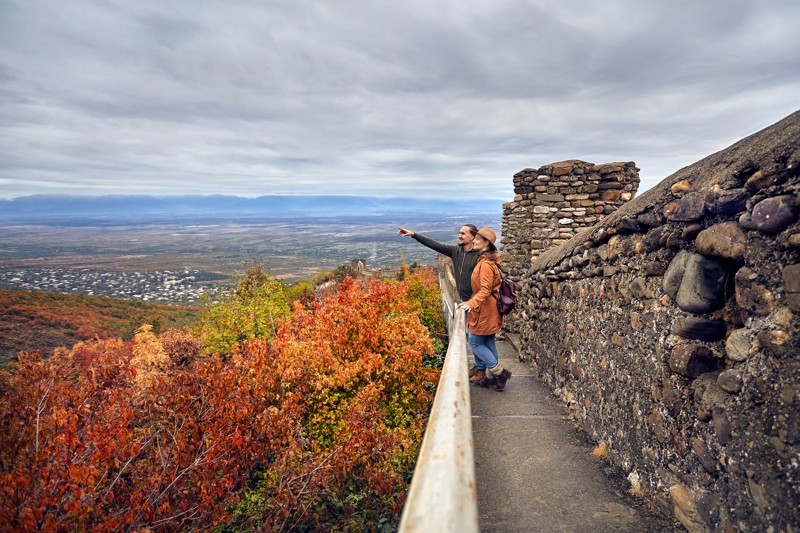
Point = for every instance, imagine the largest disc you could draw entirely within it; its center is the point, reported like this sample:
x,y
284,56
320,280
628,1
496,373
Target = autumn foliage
x,y
32,320
313,427
251,309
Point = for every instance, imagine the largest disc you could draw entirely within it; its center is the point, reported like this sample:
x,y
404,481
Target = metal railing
x,y
443,496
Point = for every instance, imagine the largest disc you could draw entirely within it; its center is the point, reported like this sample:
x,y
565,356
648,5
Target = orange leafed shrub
x,y
350,370
318,428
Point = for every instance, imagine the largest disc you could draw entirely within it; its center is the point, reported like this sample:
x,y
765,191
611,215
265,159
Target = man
x,y
464,258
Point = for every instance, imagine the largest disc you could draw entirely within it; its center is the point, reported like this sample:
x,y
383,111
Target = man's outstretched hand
x,y
404,232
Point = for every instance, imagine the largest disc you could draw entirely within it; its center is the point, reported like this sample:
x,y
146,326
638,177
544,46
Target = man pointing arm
x,y
464,258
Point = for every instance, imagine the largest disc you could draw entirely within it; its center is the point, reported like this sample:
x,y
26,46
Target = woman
x,y
483,319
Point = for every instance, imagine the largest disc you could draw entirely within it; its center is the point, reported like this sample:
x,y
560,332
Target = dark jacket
x,y
463,263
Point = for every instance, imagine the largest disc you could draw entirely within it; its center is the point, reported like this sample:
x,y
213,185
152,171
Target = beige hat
x,y
487,233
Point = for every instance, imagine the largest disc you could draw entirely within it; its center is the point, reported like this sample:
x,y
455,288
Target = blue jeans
x,y
484,350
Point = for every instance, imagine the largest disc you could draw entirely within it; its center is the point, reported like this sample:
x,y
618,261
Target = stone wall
x,y
554,203
671,330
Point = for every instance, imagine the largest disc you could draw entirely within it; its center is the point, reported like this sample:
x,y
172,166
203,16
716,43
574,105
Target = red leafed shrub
x,y
317,429
66,426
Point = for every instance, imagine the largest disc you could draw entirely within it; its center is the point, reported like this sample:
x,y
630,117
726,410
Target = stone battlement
x,y
555,202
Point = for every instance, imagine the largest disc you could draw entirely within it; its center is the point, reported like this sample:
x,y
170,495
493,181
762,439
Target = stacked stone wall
x,y
555,202
671,330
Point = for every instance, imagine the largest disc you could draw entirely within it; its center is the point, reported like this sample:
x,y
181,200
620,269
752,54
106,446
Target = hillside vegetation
x,y
313,423
31,321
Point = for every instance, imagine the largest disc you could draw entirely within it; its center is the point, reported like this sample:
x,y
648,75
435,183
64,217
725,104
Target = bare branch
x,y
39,410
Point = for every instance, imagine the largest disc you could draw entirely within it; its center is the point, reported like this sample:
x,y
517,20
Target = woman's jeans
x,y
484,350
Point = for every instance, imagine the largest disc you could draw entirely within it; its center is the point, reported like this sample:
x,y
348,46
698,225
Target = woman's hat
x,y
487,233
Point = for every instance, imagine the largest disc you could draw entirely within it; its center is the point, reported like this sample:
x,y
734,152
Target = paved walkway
x,y
534,474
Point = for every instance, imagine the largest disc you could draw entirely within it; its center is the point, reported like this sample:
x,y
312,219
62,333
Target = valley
x,y
173,262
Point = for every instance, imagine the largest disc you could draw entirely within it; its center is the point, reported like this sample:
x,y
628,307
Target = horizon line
x,y
215,195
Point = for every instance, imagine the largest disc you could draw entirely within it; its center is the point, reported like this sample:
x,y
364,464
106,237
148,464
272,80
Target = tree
x,y
252,309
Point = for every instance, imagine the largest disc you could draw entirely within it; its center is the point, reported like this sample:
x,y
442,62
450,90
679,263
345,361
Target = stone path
x,y
535,474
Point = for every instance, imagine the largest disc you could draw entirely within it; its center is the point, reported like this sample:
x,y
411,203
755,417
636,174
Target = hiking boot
x,y
477,376
501,380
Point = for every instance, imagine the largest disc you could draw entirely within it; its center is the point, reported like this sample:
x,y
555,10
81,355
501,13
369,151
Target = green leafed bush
x,y
252,309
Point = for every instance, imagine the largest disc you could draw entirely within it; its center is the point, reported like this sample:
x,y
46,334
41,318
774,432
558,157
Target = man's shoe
x,y
477,376
501,380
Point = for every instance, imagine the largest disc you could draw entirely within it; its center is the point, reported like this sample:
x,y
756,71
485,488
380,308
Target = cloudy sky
x,y
421,98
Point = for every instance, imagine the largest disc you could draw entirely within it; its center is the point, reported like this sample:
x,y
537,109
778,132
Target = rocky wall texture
x,y
672,331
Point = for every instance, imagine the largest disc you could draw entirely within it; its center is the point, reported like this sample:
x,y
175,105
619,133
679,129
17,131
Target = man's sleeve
x,y
445,249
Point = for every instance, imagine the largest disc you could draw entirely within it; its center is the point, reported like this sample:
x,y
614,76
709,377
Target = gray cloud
x,y
377,98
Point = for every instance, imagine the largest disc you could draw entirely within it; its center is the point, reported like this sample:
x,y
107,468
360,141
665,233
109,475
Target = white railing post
x,y
442,496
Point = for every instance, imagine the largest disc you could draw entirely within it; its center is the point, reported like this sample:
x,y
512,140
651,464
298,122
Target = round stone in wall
x,y
730,380
697,328
690,207
737,347
771,215
704,285
723,240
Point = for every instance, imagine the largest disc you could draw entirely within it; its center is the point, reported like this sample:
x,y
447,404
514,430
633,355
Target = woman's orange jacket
x,y
483,317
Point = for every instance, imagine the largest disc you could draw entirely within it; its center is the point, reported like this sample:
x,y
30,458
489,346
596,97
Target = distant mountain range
x,y
138,207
